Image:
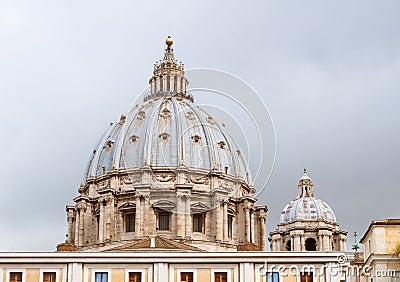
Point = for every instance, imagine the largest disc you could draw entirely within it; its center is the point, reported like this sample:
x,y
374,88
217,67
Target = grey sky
x,y
328,72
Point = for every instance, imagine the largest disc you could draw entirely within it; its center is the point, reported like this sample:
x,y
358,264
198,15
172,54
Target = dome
x,y
167,169
168,132
306,206
307,209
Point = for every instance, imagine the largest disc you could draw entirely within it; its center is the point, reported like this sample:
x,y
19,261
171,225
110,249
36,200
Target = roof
x,y
154,244
389,221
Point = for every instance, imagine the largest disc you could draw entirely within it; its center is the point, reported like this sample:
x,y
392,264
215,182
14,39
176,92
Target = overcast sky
x,y
329,73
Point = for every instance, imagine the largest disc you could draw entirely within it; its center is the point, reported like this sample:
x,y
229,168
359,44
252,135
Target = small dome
x,y
307,208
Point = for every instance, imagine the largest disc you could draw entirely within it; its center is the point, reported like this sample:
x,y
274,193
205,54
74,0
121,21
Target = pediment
x,y
199,207
127,206
164,205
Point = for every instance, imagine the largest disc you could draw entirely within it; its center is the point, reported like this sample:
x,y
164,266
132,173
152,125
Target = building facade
x,y
171,267
381,244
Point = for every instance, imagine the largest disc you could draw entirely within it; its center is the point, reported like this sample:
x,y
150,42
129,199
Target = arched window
x,y
289,245
311,244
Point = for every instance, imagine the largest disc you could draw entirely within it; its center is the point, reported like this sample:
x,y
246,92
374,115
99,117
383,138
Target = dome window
x,y
141,115
134,138
164,136
222,144
166,114
109,144
122,119
210,120
196,139
190,115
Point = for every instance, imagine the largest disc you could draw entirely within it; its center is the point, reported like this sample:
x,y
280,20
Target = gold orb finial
x,y
169,41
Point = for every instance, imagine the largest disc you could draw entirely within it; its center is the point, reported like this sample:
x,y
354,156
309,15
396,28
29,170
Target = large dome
x,y
167,171
167,131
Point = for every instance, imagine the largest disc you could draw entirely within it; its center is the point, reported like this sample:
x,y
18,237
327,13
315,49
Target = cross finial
x,y
355,246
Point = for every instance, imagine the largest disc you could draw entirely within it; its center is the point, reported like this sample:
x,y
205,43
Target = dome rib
x,y
204,126
92,170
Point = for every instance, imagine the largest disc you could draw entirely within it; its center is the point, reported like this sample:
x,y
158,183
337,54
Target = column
x,y
320,243
172,83
225,220
70,227
292,243
137,217
209,224
175,84
164,88
326,243
101,223
219,223
296,243
108,219
180,216
234,224
81,227
188,219
263,239
252,223
76,227
158,84
146,215
302,243
178,84
247,224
